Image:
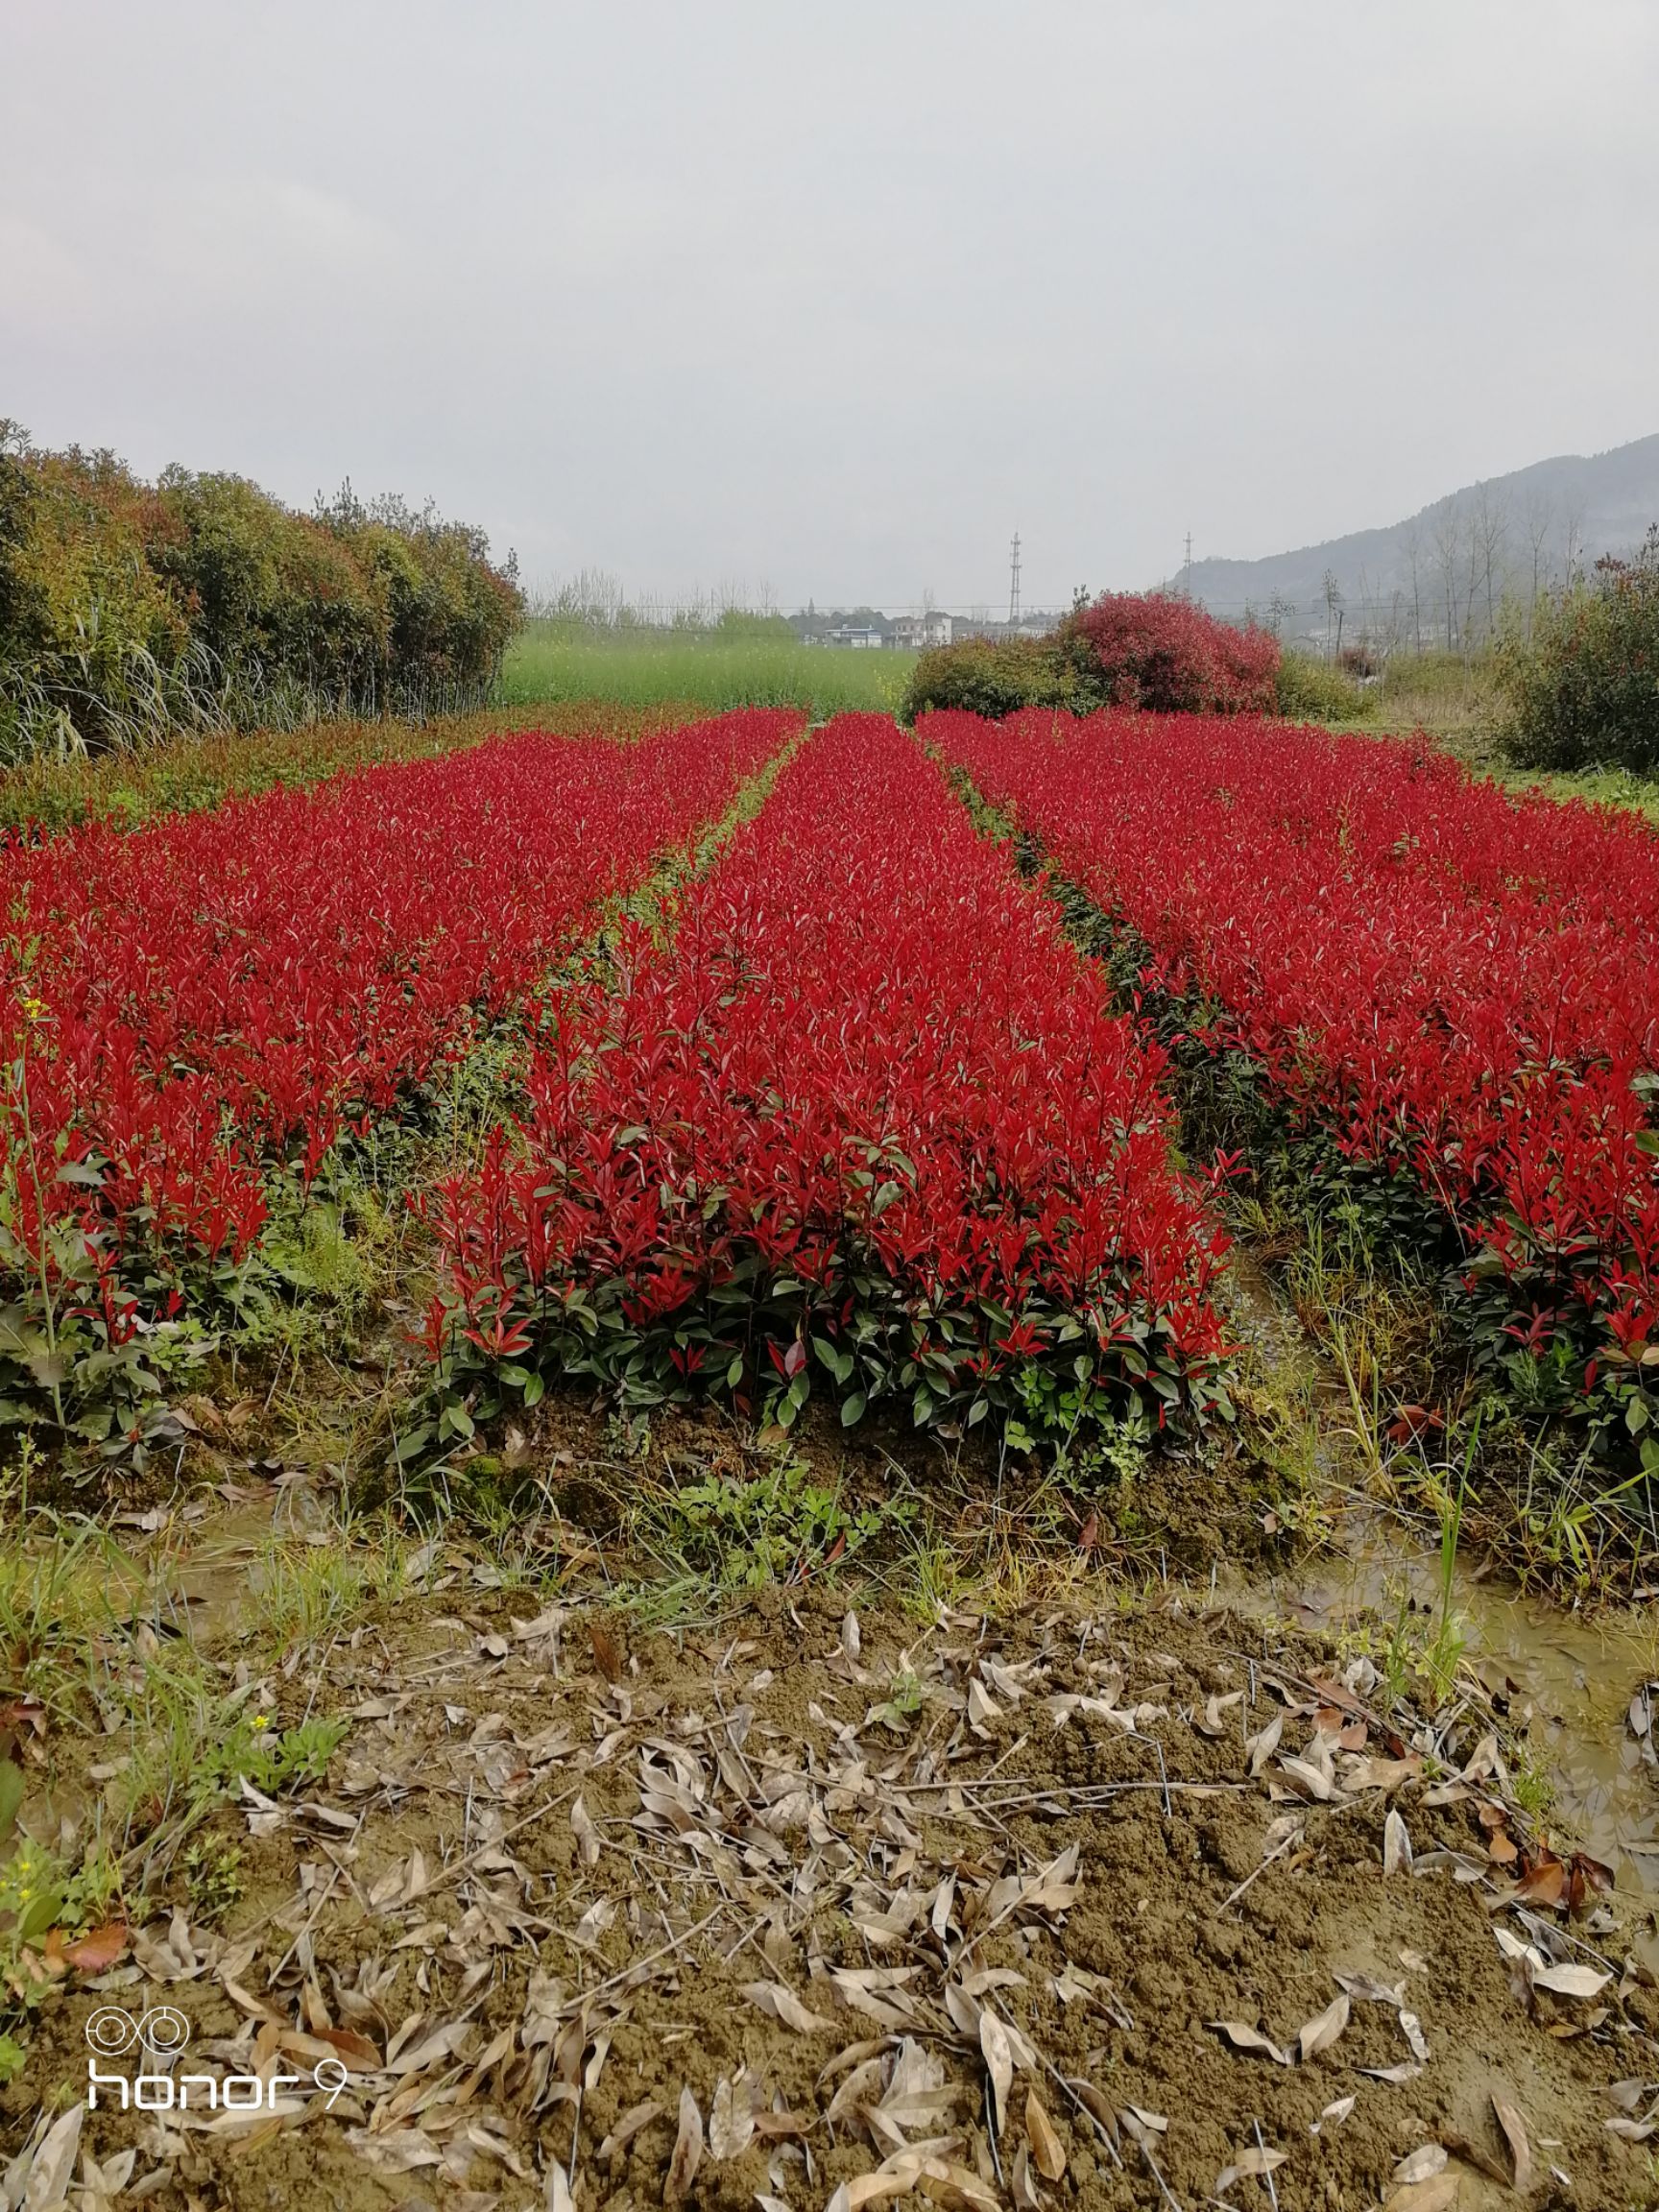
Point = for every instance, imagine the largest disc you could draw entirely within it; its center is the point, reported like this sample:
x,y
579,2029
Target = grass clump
x,y
725,1531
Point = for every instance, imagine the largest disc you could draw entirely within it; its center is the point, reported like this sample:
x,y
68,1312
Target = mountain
x,y
1441,574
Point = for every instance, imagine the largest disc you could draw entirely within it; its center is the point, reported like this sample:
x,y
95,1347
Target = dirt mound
x,y
1096,1909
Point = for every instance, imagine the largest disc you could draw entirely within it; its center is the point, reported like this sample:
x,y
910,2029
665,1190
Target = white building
x,y
858,635
921,633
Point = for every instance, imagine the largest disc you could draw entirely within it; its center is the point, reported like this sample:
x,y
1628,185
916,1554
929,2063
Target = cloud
x,y
840,300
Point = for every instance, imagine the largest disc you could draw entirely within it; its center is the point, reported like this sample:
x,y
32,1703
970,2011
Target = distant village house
x,y
921,633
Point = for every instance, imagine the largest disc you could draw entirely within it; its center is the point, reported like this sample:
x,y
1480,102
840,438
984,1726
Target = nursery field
x,y
666,1383
704,671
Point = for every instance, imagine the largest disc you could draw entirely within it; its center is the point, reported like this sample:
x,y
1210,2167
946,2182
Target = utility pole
x,y
1186,571
1014,583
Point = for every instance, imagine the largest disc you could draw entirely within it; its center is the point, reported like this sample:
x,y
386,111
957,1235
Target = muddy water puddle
x,y
1576,1688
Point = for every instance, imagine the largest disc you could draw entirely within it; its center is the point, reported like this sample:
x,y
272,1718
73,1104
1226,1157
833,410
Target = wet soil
x,y
830,1904
1574,1687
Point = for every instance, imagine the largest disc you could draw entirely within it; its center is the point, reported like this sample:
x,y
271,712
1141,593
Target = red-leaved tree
x,y
1170,656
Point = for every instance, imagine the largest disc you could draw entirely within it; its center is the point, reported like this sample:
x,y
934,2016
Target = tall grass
x,y
553,662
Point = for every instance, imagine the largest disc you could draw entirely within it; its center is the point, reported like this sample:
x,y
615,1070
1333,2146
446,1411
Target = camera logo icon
x,y
162,2031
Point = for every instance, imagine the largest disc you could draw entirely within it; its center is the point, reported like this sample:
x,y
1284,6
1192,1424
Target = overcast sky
x,y
835,297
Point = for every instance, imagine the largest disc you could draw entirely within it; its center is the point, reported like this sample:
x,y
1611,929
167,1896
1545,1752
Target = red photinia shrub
x,y
190,1004
1455,982
1167,655
866,1117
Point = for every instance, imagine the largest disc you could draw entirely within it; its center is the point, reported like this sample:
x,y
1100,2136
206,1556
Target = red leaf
x,y
96,1953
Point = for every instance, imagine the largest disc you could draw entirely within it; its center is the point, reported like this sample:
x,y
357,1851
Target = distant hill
x,y
1443,571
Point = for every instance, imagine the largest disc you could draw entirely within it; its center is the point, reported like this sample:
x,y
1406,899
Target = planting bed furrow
x,y
866,1121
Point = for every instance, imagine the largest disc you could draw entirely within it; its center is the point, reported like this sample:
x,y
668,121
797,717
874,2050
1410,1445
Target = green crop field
x,y
551,661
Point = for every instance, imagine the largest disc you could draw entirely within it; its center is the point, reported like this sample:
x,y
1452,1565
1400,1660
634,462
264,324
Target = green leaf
x,y
39,1915
12,1788
853,1408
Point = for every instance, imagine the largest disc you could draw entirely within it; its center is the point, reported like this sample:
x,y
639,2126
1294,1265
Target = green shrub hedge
x,y
1581,689
1310,691
128,608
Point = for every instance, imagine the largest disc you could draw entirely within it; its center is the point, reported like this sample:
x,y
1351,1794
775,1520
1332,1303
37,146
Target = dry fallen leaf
x,y
906,2171
585,1834
1570,1981
606,1652
1255,2163
1243,2038
1396,1845
1434,2194
1319,2034
636,2117
1144,2126
1260,1747
731,2120
1311,1778
1545,1883
688,2151
1212,1722
782,2003
998,2055
1421,2164
54,2162
1515,2135
98,1952
1048,2151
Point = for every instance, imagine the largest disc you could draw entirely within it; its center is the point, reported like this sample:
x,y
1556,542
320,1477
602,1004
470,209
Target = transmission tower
x,y
1014,583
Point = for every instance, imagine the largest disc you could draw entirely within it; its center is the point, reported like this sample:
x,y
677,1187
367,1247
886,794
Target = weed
x,y
901,1703
214,1877
38,1891
728,1533
301,1591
